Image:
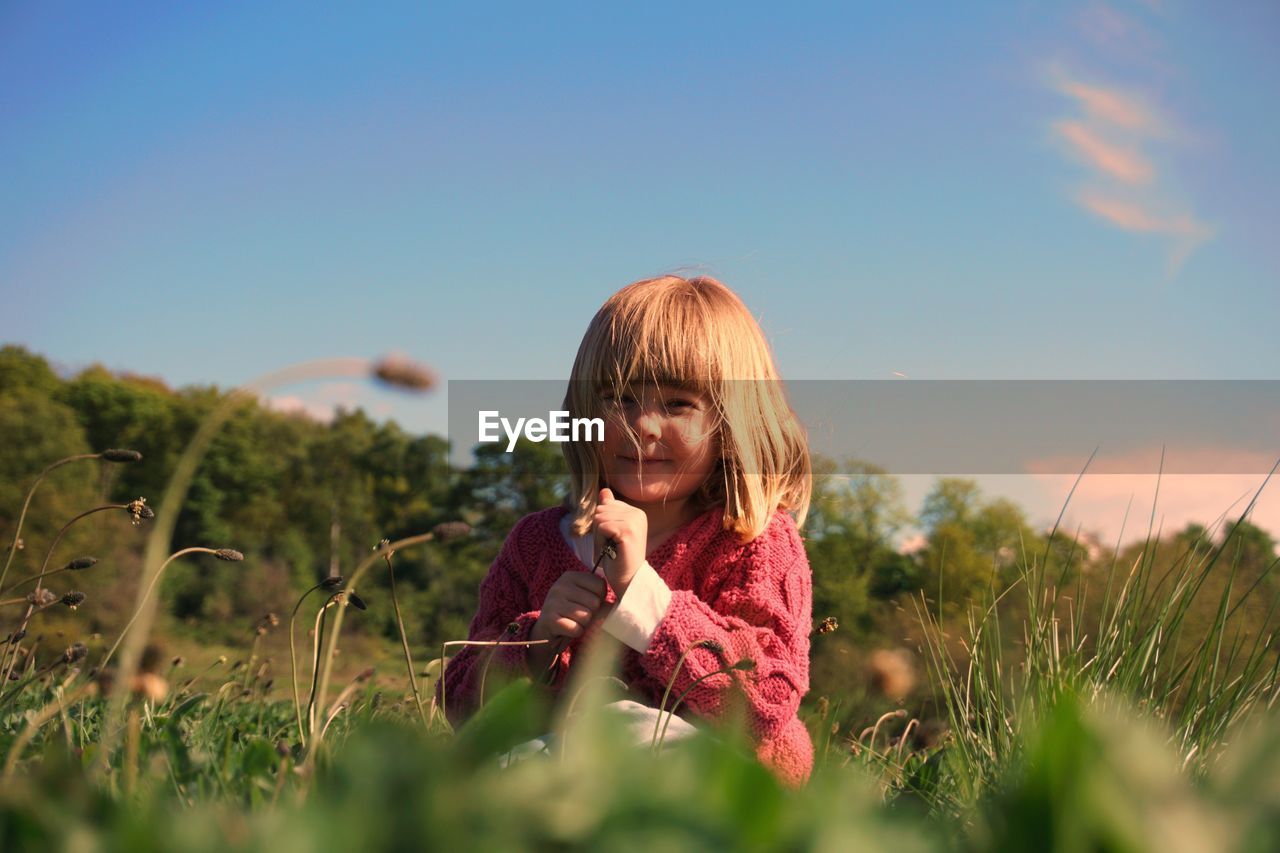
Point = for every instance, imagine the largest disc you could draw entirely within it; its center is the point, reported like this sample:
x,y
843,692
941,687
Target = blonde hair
x,y
694,333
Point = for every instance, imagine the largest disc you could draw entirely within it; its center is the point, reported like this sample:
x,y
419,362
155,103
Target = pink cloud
x,y
1101,500
295,405
1123,164
1188,232
1110,106
1102,496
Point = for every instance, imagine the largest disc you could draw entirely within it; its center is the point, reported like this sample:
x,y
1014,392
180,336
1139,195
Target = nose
x,y
648,424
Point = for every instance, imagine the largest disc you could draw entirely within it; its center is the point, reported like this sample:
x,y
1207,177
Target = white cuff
x,y
636,615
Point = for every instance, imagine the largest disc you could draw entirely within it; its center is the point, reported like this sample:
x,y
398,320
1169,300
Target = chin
x,y
629,490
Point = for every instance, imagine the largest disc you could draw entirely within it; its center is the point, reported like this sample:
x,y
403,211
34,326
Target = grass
x,y
1086,709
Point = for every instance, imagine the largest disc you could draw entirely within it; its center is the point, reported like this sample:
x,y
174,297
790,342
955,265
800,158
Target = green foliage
x,y
971,544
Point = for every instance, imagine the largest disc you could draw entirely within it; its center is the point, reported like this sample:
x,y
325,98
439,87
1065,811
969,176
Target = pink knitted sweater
x,y
754,599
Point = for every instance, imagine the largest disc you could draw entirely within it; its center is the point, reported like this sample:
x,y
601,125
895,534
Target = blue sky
x,y
1015,190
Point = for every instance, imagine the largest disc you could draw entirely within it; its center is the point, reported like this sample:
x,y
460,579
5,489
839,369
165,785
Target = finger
x,y
584,600
566,627
581,615
606,495
587,581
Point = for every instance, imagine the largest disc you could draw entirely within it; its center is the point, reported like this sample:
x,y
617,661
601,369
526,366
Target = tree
x,y
972,544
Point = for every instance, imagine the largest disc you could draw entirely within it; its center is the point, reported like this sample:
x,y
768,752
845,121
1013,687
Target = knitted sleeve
x,y
762,612
504,613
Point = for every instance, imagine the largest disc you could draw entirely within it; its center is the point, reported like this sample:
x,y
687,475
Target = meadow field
x,y
246,658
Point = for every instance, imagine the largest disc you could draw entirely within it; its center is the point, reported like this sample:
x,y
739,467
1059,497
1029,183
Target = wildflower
x,y
891,672
41,597
73,599
231,555
447,531
140,511
79,564
74,653
826,626
117,455
400,372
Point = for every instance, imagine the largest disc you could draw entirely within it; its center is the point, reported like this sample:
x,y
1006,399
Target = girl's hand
x,y
628,527
570,605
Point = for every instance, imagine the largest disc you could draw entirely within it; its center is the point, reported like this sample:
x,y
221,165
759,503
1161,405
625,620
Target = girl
x,y
699,485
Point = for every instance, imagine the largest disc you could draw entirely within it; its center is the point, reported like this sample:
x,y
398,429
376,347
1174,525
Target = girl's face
x,y
677,448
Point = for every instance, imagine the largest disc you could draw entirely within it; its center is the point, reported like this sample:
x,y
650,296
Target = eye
x,y
680,404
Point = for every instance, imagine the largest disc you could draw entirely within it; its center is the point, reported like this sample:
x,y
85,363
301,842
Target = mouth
x,y
647,460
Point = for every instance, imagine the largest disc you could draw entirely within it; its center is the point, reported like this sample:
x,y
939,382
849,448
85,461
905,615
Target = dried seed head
x,y
73,599
79,564
400,372
826,626
357,601
41,597
744,665
282,748
177,661
447,531
231,555
221,659
140,511
74,653
364,675
712,645
117,455
513,628
331,582
16,636
823,708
